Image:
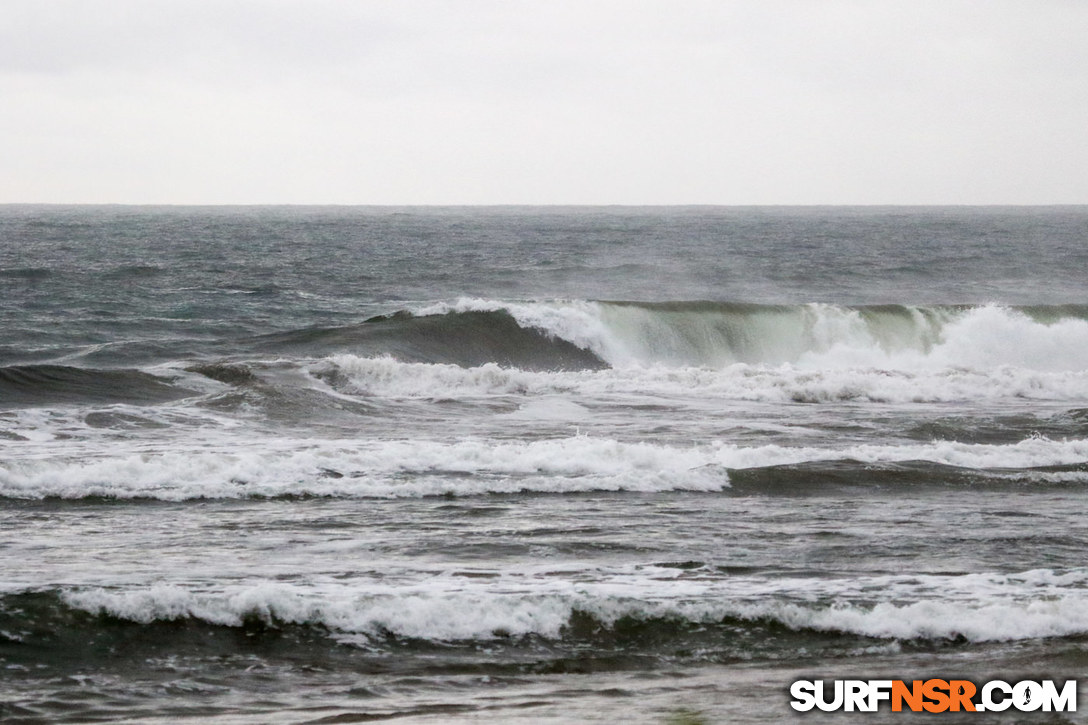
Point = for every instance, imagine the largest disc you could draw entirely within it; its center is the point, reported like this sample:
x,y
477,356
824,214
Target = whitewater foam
x,y
412,468
386,377
978,607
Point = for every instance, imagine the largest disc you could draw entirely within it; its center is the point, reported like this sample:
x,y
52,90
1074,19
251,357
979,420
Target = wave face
x,y
467,338
27,385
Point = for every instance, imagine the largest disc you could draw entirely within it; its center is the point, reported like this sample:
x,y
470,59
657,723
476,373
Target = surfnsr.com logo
x,y
933,695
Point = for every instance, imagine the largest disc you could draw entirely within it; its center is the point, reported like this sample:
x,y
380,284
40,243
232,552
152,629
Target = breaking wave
x,y
671,602
715,334
473,467
386,376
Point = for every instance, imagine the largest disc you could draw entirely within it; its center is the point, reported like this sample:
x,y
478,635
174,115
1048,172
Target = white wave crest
x,y
394,468
386,377
978,607
411,468
816,336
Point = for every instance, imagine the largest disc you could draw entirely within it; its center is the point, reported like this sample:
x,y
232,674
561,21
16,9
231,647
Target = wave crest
x,y
446,608
473,467
816,335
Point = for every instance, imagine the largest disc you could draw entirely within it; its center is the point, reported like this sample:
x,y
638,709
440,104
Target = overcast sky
x,y
547,102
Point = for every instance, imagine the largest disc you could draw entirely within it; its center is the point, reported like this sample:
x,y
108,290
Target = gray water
x,y
545,464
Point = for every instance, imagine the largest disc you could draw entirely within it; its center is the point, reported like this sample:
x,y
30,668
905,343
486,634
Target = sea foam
x,y
977,607
412,468
387,377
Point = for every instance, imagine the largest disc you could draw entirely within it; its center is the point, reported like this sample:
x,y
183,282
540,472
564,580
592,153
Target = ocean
x,y
535,464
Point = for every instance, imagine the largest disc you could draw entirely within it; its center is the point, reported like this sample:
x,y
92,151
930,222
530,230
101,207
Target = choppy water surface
x,y
335,464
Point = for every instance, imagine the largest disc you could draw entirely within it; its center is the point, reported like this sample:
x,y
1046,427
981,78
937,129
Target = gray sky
x,y
547,102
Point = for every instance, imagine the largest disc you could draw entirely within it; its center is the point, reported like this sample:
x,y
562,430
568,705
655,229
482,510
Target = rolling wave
x,y
385,376
474,467
25,385
466,338
714,334
581,335
590,335
653,609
